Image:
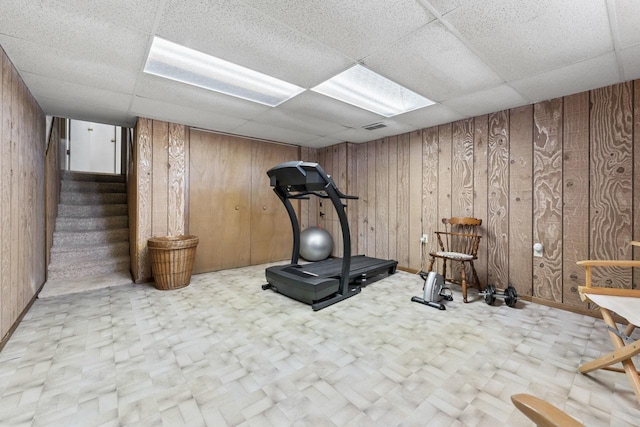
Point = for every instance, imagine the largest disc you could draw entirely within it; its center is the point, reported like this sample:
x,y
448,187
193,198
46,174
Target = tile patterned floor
x,y
222,352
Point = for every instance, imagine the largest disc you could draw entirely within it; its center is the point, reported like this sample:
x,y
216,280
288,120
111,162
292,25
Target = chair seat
x,y
629,308
454,255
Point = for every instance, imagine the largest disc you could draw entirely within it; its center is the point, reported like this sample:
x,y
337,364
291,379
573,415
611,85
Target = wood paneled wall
x,y
160,181
563,172
157,188
53,165
22,196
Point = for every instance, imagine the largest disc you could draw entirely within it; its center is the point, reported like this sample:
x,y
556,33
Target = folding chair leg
x,y
623,353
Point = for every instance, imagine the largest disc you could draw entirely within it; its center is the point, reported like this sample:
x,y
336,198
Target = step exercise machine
x,y
326,282
434,291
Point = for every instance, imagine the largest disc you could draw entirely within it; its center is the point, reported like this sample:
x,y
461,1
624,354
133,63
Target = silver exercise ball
x,y
316,244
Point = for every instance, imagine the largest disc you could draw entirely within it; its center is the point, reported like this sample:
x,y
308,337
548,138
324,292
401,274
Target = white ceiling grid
x,y
84,59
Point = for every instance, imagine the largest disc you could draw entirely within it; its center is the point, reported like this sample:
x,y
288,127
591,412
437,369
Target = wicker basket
x,y
172,260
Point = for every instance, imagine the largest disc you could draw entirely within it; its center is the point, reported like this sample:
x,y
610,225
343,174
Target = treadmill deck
x,y
316,281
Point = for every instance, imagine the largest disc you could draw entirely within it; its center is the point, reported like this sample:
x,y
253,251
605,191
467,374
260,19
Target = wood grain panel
x,y
363,197
403,200
445,149
415,198
547,204
271,234
160,178
393,197
382,199
575,209
462,168
325,205
220,200
22,203
6,159
371,197
611,124
351,189
313,202
444,170
132,205
480,146
176,179
430,173
304,206
17,261
144,151
29,146
322,218
636,179
498,200
52,174
521,199
40,252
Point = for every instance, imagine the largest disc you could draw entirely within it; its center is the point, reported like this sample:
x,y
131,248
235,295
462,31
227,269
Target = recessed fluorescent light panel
x,y
363,88
179,63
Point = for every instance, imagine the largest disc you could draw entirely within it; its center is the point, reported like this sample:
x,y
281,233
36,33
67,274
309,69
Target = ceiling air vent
x,y
374,126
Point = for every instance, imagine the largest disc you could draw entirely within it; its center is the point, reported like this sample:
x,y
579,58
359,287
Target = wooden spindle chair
x,y
458,243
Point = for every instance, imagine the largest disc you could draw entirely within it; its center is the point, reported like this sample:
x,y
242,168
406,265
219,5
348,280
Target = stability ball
x,y
316,244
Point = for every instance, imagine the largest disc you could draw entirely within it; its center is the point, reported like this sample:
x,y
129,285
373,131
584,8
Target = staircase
x,y
91,238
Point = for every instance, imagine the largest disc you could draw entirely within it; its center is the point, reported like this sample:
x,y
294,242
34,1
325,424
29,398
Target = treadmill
x,y
326,282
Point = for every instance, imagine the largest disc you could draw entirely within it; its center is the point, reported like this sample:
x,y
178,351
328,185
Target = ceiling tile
x,y
328,109
138,14
631,62
240,34
393,127
298,122
85,57
628,18
67,67
42,86
274,133
91,113
188,116
354,135
67,29
441,66
160,89
429,116
355,28
487,101
444,6
519,39
322,142
585,75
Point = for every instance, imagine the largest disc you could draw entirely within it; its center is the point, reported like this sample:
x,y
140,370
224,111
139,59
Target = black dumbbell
x,y
490,294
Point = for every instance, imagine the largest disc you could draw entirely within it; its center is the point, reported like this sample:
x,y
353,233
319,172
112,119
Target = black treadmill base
x,y
318,284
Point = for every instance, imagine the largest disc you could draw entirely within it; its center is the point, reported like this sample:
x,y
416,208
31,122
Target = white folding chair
x,y
626,304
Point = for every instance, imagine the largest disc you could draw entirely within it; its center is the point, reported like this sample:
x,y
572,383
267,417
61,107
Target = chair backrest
x,y
462,234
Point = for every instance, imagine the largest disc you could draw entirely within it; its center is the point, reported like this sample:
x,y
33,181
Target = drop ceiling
x,y
84,59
